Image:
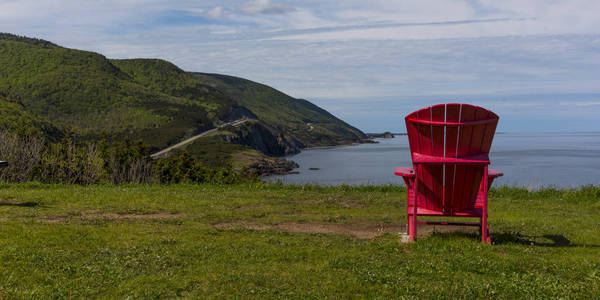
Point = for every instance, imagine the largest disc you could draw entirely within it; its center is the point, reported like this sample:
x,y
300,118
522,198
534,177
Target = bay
x,y
530,160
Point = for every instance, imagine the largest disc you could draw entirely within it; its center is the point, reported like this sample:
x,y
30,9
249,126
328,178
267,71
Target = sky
x,y
536,63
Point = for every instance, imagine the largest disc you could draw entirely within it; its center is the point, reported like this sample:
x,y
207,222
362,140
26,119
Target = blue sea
x,y
531,160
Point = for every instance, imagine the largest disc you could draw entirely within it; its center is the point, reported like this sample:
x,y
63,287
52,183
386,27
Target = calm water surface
x,y
530,160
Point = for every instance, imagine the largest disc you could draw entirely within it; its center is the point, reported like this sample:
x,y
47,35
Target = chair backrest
x,y
450,131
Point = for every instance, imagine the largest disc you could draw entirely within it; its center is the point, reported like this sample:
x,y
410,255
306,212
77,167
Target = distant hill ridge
x,y
309,123
50,90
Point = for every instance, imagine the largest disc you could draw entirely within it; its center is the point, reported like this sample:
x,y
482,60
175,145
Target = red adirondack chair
x,y
449,145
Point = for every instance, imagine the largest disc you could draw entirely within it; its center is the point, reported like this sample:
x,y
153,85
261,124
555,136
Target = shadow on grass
x,y
546,240
20,204
505,238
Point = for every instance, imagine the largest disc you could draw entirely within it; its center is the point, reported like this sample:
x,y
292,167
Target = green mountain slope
x,y
164,77
307,122
52,91
86,94
16,119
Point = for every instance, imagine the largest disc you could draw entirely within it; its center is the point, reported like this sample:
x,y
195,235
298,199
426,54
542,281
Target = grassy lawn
x,y
269,241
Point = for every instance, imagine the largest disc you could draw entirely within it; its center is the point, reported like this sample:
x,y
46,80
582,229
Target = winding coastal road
x,y
191,139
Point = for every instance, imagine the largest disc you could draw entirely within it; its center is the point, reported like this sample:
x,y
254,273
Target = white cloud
x,y
214,13
265,7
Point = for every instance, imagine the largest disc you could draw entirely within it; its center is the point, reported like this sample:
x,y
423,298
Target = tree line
x,y
31,158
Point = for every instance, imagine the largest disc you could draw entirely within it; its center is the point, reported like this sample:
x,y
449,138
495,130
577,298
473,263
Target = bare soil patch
x,y
359,230
113,216
241,224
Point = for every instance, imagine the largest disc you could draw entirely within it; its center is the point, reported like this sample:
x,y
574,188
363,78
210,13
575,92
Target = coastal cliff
x,y
257,135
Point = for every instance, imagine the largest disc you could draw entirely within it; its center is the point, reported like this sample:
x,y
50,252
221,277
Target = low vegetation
x,y
117,162
272,241
215,152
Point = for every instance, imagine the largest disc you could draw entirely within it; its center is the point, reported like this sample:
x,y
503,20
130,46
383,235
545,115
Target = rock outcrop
x,y
238,112
262,138
272,166
385,135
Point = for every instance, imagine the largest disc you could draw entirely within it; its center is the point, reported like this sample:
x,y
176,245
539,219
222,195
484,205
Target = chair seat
x,y
408,172
480,159
474,212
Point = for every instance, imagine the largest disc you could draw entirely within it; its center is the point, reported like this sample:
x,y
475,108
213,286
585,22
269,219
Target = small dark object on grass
x,y
21,204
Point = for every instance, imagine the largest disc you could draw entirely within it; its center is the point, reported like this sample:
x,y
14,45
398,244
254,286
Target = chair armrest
x,y
494,173
404,172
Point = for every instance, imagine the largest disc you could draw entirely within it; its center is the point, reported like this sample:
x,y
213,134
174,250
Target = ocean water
x,y
531,160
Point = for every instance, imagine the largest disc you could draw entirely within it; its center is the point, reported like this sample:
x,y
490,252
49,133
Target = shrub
x,y
117,162
23,154
181,166
127,161
68,163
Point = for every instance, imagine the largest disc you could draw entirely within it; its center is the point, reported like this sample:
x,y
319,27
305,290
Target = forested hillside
x,y
85,94
307,122
54,92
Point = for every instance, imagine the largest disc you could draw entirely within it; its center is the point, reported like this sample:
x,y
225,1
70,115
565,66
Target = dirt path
x,y
92,215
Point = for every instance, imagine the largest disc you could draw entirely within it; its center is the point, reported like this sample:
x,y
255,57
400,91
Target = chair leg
x,y
408,223
485,234
413,227
413,220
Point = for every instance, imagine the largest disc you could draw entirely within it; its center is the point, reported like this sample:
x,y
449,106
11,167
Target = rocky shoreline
x,y
363,141
273,166
267,166
385,135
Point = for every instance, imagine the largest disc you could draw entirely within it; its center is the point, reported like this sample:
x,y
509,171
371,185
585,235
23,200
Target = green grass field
x,y
271,241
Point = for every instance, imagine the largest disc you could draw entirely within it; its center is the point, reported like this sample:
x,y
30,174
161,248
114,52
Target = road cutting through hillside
x,y
164,152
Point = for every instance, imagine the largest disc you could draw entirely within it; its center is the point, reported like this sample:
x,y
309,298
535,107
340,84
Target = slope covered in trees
x,y
308,123
85,94
54,92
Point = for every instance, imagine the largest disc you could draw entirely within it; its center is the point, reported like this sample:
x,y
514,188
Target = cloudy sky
x,y
534,62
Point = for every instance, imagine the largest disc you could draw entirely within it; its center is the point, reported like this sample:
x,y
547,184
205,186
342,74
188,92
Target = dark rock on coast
x,y
263,139
273,166
385,135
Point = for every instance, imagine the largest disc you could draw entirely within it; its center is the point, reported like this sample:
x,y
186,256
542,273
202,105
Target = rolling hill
x,y
52,91
307,122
